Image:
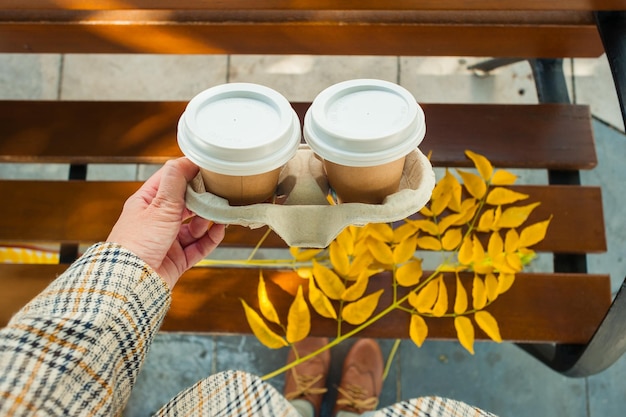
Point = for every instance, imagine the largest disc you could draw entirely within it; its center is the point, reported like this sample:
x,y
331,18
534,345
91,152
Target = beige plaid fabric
x,y
76,349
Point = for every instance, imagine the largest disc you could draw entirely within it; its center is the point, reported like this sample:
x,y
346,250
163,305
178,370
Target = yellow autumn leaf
x,y
501,264
489,325
441,306
339,258
381,251
438,205
460,300
429,243
447,221
356,290
304,272
446,194
503,177
298,318
534,233
465,332
418,330
514,262
526,255
265,335
266,306
380,231
357,312
410,273
486,221
303,255
360,263
516,216
483,267
496,218
403,232
455,195
479,293
357,232
427,297
328,281
491,287
320,302
404,250
473,184
511,241
495,245
478,252
346,241
467,212
505,281
482,164
451,239
425,211
444,185
500,196
426,226
466,252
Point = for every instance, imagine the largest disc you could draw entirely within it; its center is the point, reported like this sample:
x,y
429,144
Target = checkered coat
x,y
76,349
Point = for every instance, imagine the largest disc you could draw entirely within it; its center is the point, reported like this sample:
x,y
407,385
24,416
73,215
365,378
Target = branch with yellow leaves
x,y
465,221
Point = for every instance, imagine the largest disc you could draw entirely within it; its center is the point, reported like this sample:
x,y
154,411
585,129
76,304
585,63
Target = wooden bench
x,y
542,308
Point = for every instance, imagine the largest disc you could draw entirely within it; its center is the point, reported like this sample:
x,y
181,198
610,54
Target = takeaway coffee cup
x,y
363,130
240,135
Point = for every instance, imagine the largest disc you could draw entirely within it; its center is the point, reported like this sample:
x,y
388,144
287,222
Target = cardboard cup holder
x,y
304,217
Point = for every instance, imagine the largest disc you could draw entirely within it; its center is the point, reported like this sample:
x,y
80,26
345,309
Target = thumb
x,y
174,178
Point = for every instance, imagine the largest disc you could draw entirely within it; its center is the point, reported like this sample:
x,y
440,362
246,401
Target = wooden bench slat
x,y
76,211
551,136
570,205
548,34
317,4
564,308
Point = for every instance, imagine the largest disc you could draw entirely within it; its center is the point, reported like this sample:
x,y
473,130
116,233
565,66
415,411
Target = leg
x,y
361,379
231,393
305,384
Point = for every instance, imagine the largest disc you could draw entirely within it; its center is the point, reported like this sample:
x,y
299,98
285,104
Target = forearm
x,y
78,346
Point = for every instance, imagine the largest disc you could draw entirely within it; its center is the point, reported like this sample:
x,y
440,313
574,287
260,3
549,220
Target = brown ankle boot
x,y
362,378
307,381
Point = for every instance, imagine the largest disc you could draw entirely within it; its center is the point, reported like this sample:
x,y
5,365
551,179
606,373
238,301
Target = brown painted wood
x,y
561,307
61,211
553,303
334,32
316,4
549,136
577,225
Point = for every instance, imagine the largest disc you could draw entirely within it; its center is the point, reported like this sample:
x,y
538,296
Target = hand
x,y
153,224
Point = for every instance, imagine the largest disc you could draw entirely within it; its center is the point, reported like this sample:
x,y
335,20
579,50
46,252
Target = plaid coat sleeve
x,y
77,347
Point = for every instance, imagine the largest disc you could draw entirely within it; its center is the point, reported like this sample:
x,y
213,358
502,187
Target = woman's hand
x,y
156,225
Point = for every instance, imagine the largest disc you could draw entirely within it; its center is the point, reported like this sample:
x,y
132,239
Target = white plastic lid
x,y
239,129
364,123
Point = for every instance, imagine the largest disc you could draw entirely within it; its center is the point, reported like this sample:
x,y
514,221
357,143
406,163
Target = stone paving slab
x,y
499,378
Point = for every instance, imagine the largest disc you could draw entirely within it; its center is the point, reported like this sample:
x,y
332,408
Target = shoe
x,y
361,379
307,381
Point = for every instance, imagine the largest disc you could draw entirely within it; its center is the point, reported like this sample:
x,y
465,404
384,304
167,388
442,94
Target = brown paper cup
x,y
363,130
240,135
368,185
241,190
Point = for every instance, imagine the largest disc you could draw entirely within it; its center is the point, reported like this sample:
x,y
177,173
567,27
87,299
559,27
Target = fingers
x,y
199,249
174,177
216,232
198,227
